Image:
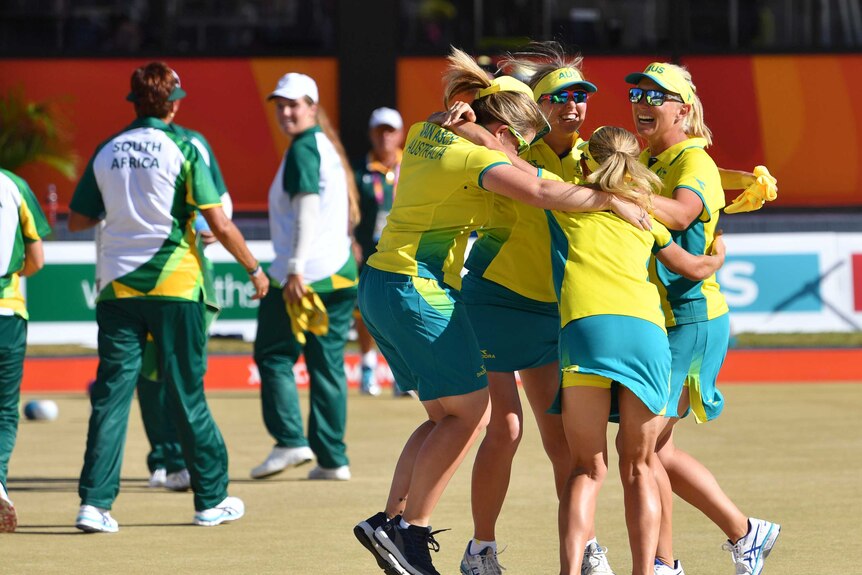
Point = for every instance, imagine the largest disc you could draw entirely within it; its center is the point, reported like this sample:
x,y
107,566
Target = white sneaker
x,y
337,473
368,382
595,561
485,563
662,569
95,520
178,480
280,458
750,551
157,479
231,509
8,517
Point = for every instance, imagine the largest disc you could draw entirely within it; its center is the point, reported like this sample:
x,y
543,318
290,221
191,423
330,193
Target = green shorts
x,y
630,351
698,351
514,332
422,329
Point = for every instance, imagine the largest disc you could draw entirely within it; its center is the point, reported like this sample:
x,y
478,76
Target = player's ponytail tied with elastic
x,y
616,151
504,99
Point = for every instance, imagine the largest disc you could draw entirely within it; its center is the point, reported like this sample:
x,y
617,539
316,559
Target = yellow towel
x,y
308,315
764,189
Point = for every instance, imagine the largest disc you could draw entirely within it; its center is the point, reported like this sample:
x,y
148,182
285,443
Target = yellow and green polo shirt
x,y
440,201
687,165
21,222
601,266
513,248
147,181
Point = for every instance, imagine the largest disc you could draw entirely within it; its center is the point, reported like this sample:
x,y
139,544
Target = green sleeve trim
x,y
482,175
705,212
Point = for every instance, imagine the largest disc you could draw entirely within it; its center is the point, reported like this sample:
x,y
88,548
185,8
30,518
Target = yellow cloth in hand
x,y
308,315
764,189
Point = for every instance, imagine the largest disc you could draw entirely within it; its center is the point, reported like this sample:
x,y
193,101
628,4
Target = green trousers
x,y
276,351
157,411
13,346
178,331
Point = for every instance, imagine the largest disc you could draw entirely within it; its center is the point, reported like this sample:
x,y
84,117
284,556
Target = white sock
x,y
477,546
590,542
403,524
369,359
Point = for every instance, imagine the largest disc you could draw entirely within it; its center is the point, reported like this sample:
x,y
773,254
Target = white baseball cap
x,y
385,117
294,86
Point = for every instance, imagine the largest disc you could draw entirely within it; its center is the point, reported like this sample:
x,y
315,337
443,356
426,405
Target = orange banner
x,y
797,114
226,102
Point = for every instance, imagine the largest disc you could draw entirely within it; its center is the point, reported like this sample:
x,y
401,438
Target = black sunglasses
x,y
653,97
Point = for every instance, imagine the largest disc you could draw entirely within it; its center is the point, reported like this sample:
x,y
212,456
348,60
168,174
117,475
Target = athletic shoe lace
x,y
738,552
490,565
422,542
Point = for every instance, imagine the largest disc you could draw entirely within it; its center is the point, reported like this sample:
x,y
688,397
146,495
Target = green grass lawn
x,y
788,453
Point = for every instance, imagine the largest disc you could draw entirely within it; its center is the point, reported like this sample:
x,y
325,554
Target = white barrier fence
x,y
774,283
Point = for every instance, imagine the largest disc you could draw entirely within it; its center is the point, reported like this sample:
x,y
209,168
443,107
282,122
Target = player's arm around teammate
x,y
418,265
612,338
669,115
509,284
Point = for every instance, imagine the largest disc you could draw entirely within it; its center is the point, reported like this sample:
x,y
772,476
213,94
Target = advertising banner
x,y
774,283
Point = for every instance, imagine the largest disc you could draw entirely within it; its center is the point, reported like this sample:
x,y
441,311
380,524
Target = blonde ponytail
x,y
616,151
464,78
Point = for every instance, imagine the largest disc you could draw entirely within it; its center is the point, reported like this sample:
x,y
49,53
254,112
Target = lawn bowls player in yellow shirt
x,y
22,227
509,285
613,344
669,115
409,296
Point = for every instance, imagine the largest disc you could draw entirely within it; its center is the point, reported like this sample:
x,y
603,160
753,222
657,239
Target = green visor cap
x,y
176,94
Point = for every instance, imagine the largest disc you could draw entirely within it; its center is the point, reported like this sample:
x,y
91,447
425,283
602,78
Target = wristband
x,y
253,272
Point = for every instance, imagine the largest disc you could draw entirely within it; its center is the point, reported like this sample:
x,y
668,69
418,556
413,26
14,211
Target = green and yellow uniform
x,y
509,275
612,325
310,166
21,222
698,348
409,289
156,410
148,181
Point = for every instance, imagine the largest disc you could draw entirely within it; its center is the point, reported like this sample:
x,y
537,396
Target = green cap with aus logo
x,y
668,77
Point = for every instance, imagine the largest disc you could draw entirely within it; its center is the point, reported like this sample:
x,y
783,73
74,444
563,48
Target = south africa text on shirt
x,y
124,158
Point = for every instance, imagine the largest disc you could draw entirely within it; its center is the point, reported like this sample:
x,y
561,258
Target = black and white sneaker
x,y
364,532
408,548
